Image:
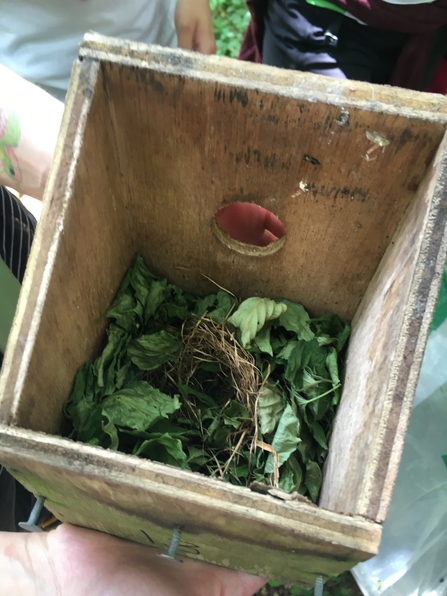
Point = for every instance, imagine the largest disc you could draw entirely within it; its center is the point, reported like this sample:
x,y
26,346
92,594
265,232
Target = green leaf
x,y
291,475
313,480
148,352
219,437
330,325
262,340
161,427
252,315
138,297
286,438
295,318
270,407
94,433
140,407
205,304
318,434
342,337
225,303
126,311
314,408
325,340
152,298
298,360
168,311
107,365
287,350
332,366
235,414
110,429
164,449
204,399
197,457
83,398
301,592
278,341
125,374
313,385
306,356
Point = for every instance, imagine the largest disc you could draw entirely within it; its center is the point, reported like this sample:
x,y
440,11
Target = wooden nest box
x,y
153,143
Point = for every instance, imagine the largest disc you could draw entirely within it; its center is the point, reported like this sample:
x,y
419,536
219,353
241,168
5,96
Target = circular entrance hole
x,y
249,229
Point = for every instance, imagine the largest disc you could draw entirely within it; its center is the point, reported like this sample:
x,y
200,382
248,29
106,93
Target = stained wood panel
x,y
143,501
385,354
192,146
81,250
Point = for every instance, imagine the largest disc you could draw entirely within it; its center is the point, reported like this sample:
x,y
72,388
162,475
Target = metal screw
x,y
319,586
31,524
173,545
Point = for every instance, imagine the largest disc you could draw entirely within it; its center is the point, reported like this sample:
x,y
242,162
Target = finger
x,y
229,581
185,37
204,40
251,583
266,238
273,225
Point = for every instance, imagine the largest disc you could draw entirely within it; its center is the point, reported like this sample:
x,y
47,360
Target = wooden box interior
x,y
154,143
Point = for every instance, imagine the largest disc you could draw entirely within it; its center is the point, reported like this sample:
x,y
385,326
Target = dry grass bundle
x,y
206,341
209,341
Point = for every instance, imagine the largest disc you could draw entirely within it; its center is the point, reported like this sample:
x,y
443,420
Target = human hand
x,y
29,126
250,223
194,25
71,561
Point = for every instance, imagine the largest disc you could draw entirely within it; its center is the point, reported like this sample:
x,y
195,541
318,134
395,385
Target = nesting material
x,y
243,392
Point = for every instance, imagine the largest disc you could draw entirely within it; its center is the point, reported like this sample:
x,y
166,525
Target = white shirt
x,y
39,38
409,1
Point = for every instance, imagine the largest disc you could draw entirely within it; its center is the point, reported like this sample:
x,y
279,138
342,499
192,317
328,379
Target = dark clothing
x,y
303,37
413,47
17,227
439,81
15,502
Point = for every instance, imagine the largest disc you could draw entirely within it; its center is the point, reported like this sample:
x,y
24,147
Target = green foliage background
x,y
231,19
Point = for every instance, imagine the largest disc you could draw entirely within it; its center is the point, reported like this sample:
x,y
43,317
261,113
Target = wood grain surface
x,y
385,355
222,524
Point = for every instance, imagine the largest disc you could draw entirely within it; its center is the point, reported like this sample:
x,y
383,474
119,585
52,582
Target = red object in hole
x,y
250,223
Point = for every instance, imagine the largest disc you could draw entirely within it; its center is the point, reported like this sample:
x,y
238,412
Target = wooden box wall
x,y
154,142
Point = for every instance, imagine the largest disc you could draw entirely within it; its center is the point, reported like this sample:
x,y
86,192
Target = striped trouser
x,y
17,227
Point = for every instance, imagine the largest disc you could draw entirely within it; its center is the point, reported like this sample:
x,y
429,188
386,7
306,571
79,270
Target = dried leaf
x,y
139,407
295,318
286,438
270,407
148,352
252,315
